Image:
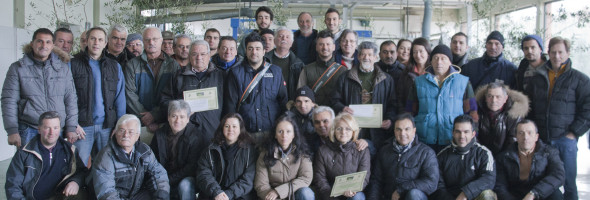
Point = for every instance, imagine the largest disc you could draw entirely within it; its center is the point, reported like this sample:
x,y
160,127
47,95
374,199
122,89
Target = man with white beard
x,y
367,84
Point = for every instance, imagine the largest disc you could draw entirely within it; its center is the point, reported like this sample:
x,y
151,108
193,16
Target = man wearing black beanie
x,y
491,66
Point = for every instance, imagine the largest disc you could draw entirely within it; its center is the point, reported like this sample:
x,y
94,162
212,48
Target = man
x,y
492,65
560,107
388,60
26,94
286,59
321,75
256,90
176,145
529,169
264,17
304,39
323,117
48,160
100,86
467,169
367,84
332,20
83,41
532,47
146,76
181,48
404,168
134,44
459,48
168,38
212,36
301,111
438,96
127,168
64,39
500,108
269,37
200,74
227,56
116,45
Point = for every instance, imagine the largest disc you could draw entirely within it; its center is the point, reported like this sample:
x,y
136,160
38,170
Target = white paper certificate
x,y
202,99
353,182
368,115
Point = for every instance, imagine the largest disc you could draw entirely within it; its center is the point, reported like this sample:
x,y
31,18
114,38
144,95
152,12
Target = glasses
x,y
124,131
341,129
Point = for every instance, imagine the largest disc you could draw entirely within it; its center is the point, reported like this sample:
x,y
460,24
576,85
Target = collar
x,y
281,57
402,149
462,150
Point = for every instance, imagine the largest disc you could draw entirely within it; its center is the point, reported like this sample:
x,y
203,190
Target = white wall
x,y
6,13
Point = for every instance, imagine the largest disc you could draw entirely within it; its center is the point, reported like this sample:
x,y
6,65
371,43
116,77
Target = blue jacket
x,y
438,106
266,102
484,70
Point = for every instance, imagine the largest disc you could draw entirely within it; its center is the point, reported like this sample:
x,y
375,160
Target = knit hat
x,y
534,37
306,92
132,37
442,49
167,35
495,35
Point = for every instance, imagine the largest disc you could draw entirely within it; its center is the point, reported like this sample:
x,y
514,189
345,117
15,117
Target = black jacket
x,y
395,71
123,57
546,176
184,80
216,60
403,86
295,67
497,134
485,69
521,81
470,170
189,146
568,108
305,123
310,49
349,91
235,178
416,168
84,83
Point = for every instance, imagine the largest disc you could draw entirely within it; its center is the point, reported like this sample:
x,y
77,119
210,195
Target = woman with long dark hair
x,y
419,60
284,169
226,169
404,47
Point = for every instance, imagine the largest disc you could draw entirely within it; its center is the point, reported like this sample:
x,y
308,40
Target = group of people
x,y
284,125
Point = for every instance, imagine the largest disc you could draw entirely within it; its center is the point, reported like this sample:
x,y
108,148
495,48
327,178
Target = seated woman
x,y
284,170
226,169
341,157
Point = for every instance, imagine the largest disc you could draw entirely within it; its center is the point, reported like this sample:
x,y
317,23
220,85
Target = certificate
x,y
368,115
202,99
353,182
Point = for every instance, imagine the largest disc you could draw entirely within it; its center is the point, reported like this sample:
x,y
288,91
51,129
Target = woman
x,y
347,55
283,169
341,157
419,54
226,169
403,51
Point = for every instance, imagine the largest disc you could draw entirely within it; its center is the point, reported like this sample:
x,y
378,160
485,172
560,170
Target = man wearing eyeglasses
x,y
134,44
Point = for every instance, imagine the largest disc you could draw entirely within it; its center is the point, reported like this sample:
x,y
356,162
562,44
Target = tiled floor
x,y
583,170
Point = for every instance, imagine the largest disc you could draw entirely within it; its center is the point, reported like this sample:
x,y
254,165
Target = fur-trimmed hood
x,y
62,55
517,104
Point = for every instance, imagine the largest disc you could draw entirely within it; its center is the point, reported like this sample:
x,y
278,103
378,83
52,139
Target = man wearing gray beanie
x,y
135,43
492,65
532,47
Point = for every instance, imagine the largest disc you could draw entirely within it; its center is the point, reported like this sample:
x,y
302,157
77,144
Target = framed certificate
x,y
353,182
368,115
202,99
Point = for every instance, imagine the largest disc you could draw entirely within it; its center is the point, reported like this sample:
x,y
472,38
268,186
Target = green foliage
x,y
281,14
58,15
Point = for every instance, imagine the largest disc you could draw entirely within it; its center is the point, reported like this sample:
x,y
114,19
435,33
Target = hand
x,y
153,127
272,195
146,117
14,139
571,136
361,144
461,196
221,196
72,137
80,132
529,196
71,189
386,124
348,110
395,196
349,194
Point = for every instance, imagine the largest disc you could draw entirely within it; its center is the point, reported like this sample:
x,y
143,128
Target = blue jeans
x,y
568,152
185,190
358,196
94,135
415,194
26,133
304,193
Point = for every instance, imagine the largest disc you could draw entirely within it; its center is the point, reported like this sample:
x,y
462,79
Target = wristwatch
x,y
533,193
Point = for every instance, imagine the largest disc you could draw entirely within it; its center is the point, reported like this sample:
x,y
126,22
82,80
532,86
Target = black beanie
x,y
495,35
442,49
306,92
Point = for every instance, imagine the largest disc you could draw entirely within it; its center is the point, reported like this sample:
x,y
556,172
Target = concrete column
x,y
427,19
469,14
96,4
19,13
344,16
540,18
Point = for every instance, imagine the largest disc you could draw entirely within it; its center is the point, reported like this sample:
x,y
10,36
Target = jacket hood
x,y
517,104
62,55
